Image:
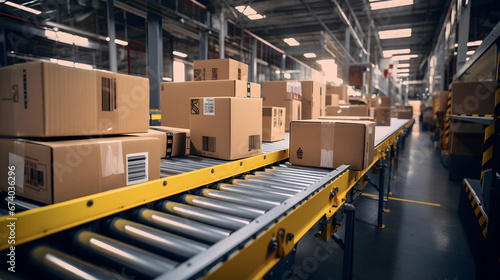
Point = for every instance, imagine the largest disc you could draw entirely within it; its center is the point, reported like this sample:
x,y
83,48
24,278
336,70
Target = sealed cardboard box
x,y
56,171
382,116
443,101
356,76
329,143
178,140
175,97
313,99
41,99
220,69
473,97
341,91
293,112
380,101
404,115
274,92
273,123
226,127
348,118
332,100
347,110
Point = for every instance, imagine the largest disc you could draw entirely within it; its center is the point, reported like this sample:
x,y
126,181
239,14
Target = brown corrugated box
x,y
356,76
175,97
380,101
226,127
293,112
406,115
329,144
464,127
347,118
332,100
41,99
443,101
173,141
381,115
220,69
273,123
467,144
341,91
347,110
64,170
273,92
473,98
313,100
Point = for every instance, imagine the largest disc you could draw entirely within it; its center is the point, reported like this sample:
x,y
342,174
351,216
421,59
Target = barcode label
x,y
137,168
197,74
25,89
275,119
209,106
208,144
239,74
108,94
214,73
34,175
254,142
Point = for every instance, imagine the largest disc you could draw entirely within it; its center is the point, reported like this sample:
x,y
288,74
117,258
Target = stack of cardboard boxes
x,y
222,110
60,131
380,110
285,94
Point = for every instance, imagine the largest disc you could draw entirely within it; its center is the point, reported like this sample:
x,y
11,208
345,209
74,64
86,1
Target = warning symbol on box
x,y
195,106
197,74
299,153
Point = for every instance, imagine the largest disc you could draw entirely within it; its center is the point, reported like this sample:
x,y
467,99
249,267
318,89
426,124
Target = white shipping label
x,y
18,163
209,106
137,168
294,87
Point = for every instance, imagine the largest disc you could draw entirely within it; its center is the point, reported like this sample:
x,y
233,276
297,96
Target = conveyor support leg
x,y
349,242
381,175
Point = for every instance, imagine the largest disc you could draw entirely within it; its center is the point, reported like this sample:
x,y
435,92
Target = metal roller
x,y
205,216
256,202
176,169
261,187
3,212
288,189
286,177
276,196
293,172
173,245
300,171
223,207
259,179
64,266
21,204
187,228
266,182
320,170
141,261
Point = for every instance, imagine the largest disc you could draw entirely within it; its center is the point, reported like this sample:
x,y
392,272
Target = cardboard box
x,y
356,76
341,91
56,171
41,99
347,118
473,98
328,143
173,141
467,144
406,115
443,101
274,92
380,101
220,69
382,116
313,99
465,127
332,100
347,110
175,97
293,112
226,127
273,123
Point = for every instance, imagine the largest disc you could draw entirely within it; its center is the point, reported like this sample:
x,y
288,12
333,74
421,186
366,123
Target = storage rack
x,y
250,251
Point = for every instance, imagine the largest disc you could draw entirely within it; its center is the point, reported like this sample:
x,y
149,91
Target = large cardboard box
x,y
56,171
293,112
356,76
381,115
328,143
175,97
347,110
173,141
273,123
467,144
341,91
220,69
347,118
274,92
332,100
226,127
473,98
41,99
443,101
313,99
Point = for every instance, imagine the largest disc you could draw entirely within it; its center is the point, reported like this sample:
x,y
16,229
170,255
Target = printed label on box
x,y
209,106
34,174
195,106
137,168
18,162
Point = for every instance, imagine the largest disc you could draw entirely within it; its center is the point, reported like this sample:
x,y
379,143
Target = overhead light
x,y
474,43
67,38
390,4
404,75
404,57
287,76
119,42
291,42
180,54
310,55
456,45
396,33
24,8
167,79
403,65
390,53
256,17
249,12
404,70
470,52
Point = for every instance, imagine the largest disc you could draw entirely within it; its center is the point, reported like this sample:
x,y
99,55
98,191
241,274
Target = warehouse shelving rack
x,y
251,252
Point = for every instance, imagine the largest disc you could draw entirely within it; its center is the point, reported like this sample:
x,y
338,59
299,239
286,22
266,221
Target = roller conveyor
x,y
256,202
224,207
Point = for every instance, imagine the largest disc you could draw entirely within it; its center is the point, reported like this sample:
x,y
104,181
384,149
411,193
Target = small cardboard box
x,y
473,98
313,100
226,127
380,101
220,69
341,91
347,110
175,97
328,143
56,171
443,101
273,123
381,115
41,99
293,112
332,100
173,142
406,115
274,92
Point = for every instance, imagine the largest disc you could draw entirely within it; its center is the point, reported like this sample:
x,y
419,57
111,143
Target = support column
x,y
3,48
348,50
222,34
349,241
203,45
463,34
113,65
381,174
253,62
392,153
155,58
282,68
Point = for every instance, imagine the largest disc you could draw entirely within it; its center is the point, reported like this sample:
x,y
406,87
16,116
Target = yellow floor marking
x,y
405,200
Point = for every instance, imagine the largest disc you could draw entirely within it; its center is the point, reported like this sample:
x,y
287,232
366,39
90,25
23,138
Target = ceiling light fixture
x,y
119,42
291,42
403,70
310,55
390,53
390,4
396,33
400,75
67,38
24,8
403,65
404,57
249,12
470,52
474,43
180,54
